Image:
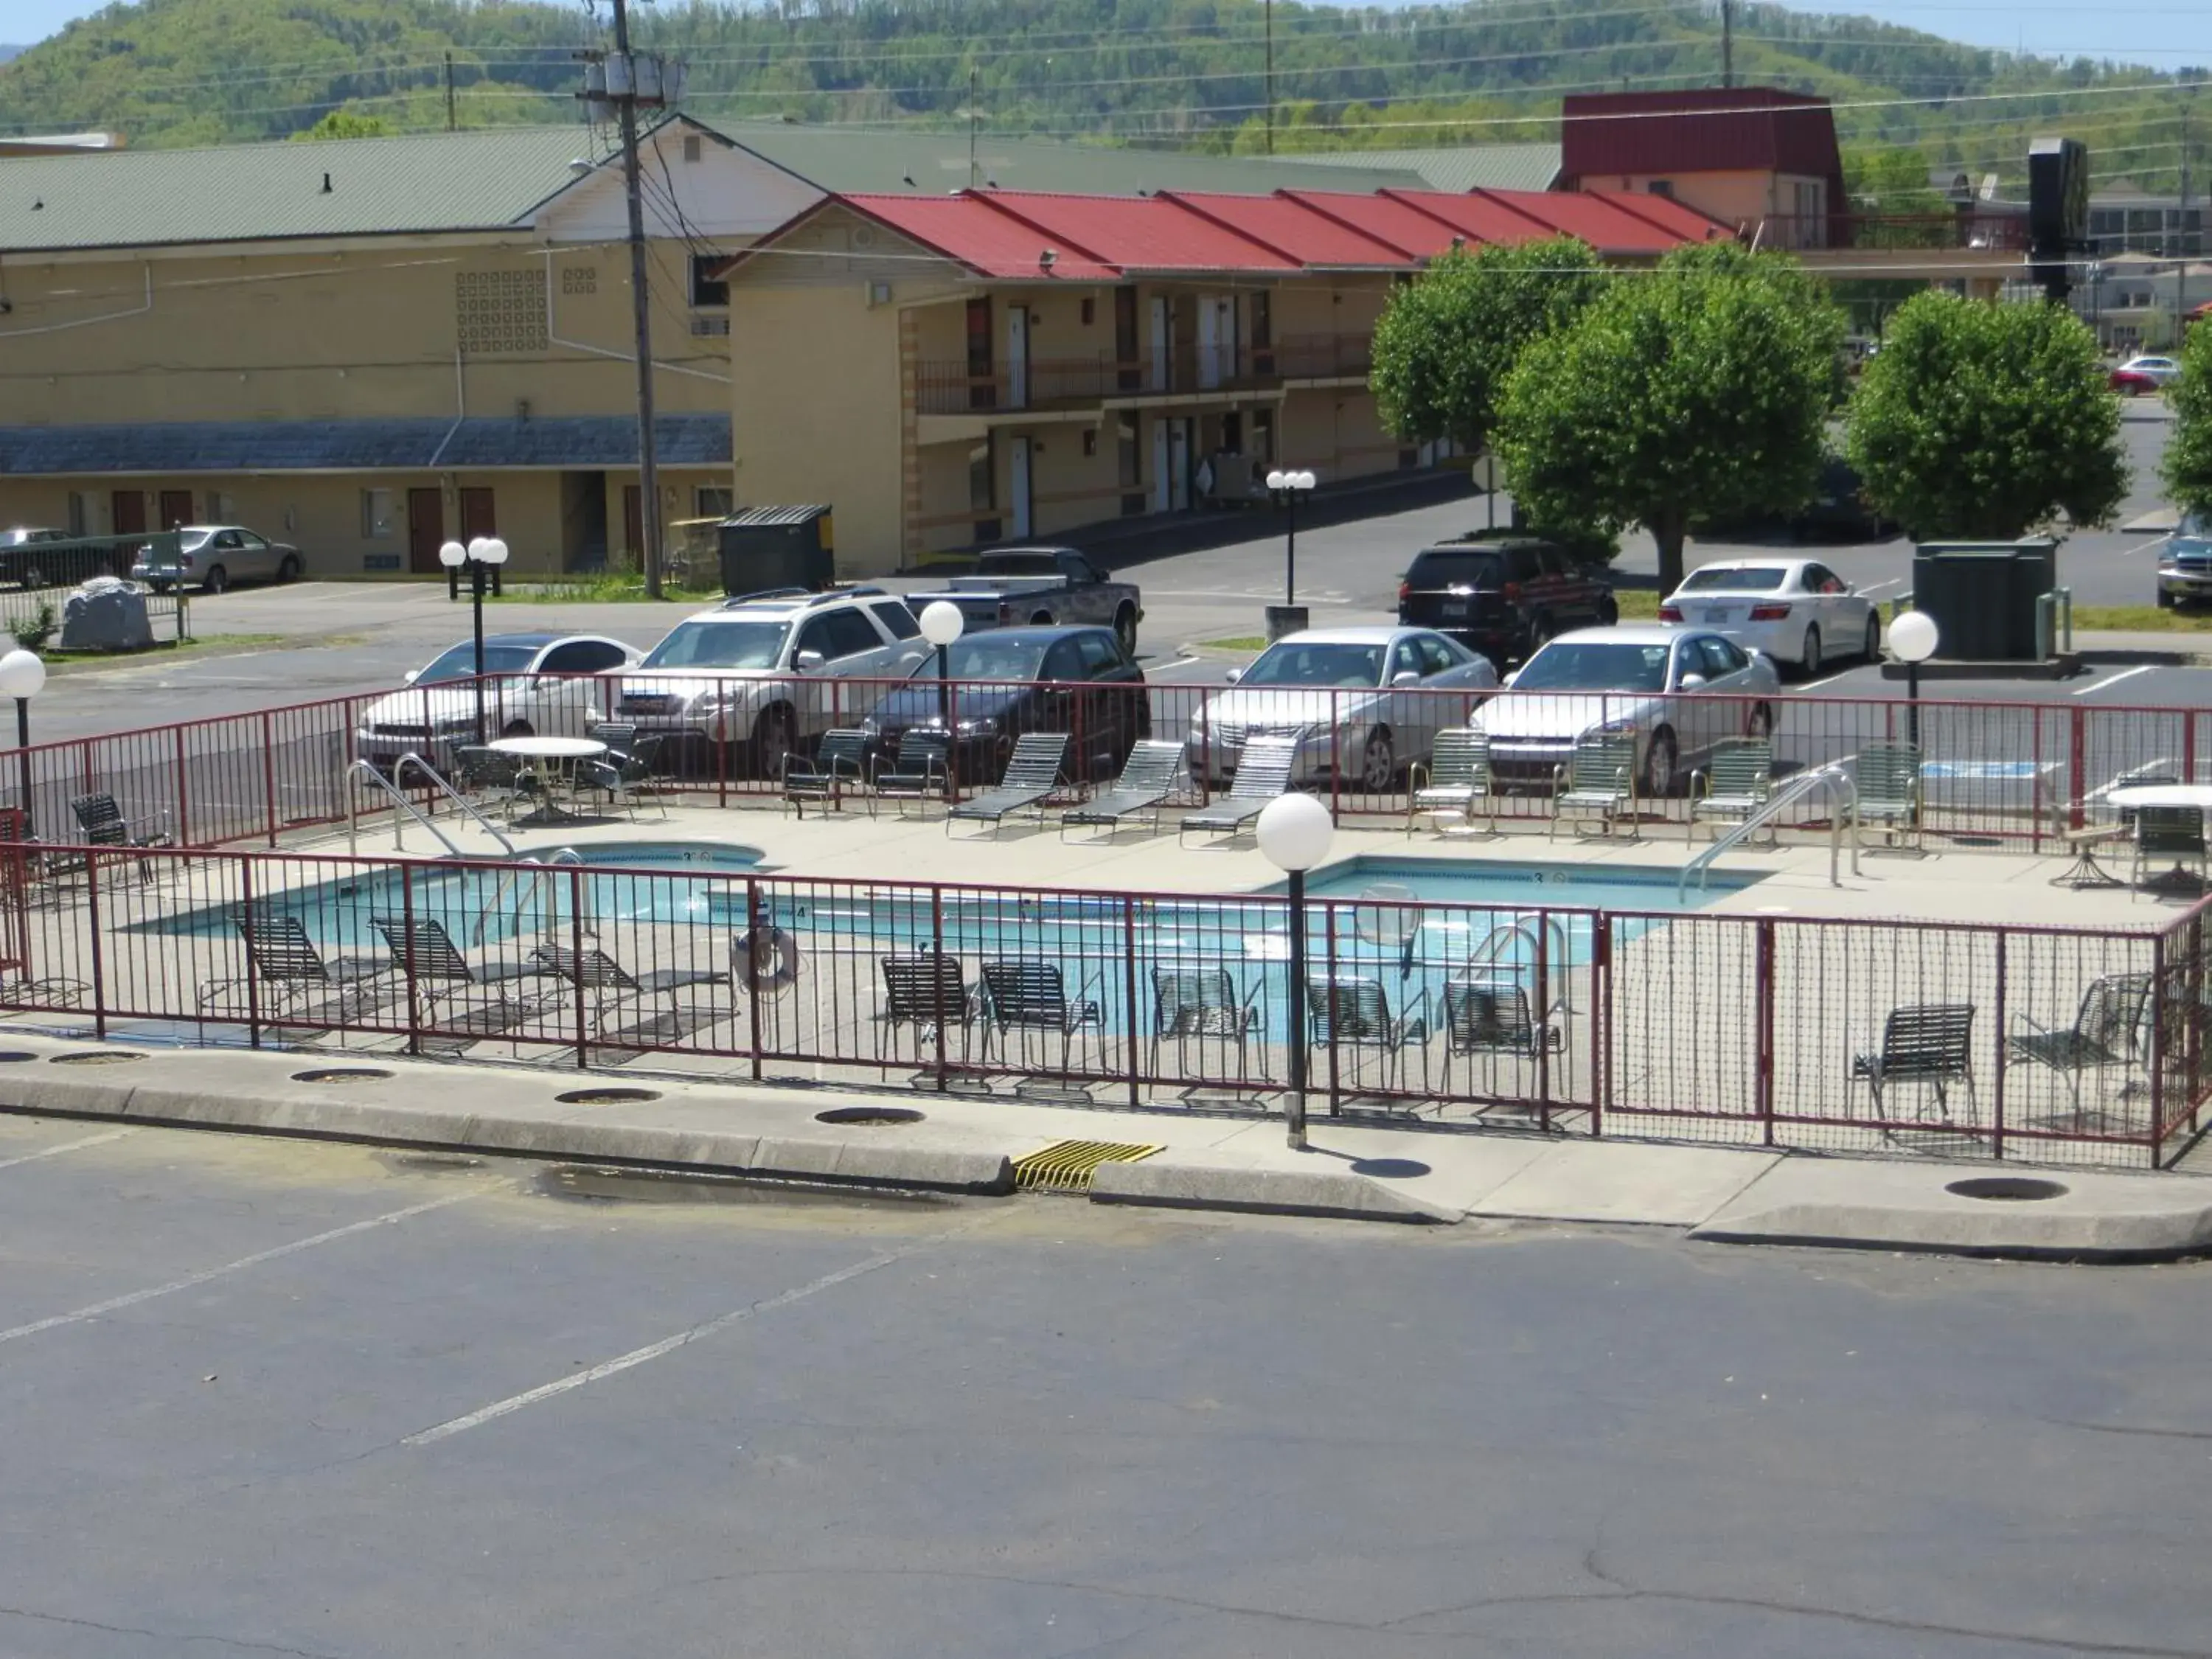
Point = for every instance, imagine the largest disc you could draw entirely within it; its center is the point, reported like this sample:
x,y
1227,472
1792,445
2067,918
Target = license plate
x,y
1716,616
1453,609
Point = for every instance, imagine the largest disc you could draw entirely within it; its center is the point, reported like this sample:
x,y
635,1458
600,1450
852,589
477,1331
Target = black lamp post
x,y
484,554
22,677
1294,833
1912,640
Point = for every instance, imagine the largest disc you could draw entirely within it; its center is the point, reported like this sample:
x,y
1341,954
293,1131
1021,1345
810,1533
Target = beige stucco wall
x,y
1736,198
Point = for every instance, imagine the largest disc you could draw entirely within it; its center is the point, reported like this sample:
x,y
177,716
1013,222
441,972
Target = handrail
x,y
1834,775
1486,955
468,808
400,803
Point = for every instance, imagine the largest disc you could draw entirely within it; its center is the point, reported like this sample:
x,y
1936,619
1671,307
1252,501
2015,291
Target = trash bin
x,y
764,547
1982,596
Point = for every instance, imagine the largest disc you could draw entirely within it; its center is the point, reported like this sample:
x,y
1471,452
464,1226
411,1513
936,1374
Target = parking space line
x,y
1814,685
1162,667
66,1146
2124,674
2155,541
1877,587
116,1304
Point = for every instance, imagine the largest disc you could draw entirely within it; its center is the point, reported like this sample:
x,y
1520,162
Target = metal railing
x,y
1834,780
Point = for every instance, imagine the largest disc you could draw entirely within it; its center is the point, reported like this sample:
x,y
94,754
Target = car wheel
x,y
34,577
1378,763
1873,652
1042,619
1808,660
1762,723
216,580
1609,611
1125,629
773,739
161,588
288,571
1659,762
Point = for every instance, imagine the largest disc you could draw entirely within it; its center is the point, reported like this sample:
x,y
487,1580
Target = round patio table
x,y
560,756
2183,797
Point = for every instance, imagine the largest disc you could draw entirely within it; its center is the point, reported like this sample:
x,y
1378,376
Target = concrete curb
x,y
1177,1186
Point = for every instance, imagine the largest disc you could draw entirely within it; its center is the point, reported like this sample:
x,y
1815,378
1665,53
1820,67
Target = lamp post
x,y
484,553
1912,640
942,624
1294,832
22,677
1285,488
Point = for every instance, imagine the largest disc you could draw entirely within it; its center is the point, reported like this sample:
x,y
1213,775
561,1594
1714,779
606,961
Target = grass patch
x,y
1637,605
214,645
1237,642
602,587
2140,619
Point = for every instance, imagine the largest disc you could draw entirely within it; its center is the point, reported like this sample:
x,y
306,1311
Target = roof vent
x,y
326,184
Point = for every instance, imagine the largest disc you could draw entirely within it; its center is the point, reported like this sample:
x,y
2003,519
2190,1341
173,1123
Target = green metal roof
x,y
1459,168
432,181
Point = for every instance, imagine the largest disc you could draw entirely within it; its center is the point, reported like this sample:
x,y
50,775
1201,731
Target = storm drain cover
x,y
606,1097
1066,1166
340,1074
98,1057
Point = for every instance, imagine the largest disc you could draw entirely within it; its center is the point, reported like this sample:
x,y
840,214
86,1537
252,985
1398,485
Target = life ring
x,y
768,958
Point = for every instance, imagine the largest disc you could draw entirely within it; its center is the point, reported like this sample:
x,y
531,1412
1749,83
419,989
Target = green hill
x,y
1179,72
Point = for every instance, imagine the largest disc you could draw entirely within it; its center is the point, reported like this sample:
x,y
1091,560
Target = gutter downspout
x,y
460,410
553,337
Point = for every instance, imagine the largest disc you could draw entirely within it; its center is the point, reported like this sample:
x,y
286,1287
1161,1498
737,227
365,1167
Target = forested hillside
x,y
1181,72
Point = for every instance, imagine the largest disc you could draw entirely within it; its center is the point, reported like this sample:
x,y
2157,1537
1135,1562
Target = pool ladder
x,y
1538,929
1842,791
401,804
511,887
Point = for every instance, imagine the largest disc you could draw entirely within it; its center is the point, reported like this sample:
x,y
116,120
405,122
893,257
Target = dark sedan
x,y
1009,681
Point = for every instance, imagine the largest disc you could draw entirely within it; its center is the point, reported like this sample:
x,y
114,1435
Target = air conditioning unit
x,y
710,327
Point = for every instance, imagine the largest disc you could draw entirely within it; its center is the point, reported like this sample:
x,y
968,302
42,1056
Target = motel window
x,y
377,519
712,501
1661,187
1263,436
1130,452
707,288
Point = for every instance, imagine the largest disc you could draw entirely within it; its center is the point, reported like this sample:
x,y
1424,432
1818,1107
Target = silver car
x,y
215,555
1352,691
1639,678
536,688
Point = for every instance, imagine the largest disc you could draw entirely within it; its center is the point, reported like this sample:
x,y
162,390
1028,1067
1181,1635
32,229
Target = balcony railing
x,y
950,388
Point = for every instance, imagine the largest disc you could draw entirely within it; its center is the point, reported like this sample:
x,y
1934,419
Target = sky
x,y
2165,33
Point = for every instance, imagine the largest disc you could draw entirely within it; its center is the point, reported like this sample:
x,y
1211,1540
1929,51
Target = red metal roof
x,y
1291,227
1697,130
970,229
1140,233
1604,227
1395,223
1665,212
1482,216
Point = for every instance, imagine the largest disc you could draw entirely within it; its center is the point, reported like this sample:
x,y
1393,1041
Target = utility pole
x,y
2181,230
450,122
975,115
1270,9
1728,44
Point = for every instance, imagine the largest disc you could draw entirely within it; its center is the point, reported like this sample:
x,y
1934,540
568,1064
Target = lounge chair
x,y
1599,780
840,763
1351,1012
1734,788
2169,834
920,772
1263,772
1455,778
1024,994
608,980
1032,774
100,822
624,773
1489,1014
1153,772
1930,1044
2108,1030
1886,777
287,968
1200,1004
425,953
931,993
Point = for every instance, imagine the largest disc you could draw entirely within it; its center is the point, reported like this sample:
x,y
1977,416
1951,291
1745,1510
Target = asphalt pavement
x,y
276,1397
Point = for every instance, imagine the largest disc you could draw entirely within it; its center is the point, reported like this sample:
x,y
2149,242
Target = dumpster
x,y
770,547
1982,596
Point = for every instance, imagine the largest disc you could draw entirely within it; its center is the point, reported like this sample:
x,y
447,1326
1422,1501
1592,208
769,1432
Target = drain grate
x,y
1066,1166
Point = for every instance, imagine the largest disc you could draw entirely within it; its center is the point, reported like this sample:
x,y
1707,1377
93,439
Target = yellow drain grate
x,y
1066,1166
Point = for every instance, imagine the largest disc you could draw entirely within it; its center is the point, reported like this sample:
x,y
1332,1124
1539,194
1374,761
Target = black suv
x,y
1504,596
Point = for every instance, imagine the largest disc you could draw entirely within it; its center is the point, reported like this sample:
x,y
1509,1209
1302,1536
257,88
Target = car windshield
x,y
1434,570
1592,666
1019,564
1316,664
2195,526
720,645
1736,578
460,662
984,658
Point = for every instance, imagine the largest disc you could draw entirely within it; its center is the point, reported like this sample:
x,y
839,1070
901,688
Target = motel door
x,y
1159,343
1178,467
1017,359
127,512
176,508
1216,341
1017,471
426,531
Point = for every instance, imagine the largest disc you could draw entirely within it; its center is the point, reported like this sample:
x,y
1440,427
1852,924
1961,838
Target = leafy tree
x,y
1700,390
346,124
2187,469
1446,342
1985,422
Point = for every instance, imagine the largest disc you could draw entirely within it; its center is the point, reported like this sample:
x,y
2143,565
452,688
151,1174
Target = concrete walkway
x,y
945,1142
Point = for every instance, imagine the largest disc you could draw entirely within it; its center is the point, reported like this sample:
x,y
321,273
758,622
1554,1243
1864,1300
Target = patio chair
x,y
838,763
2108,1030
1200,1004
624,773
931,993
609,981
1489,1014
1263,772
920,772
1734,788
1929,1043
1599,780
497,779
100,822
1025,994
287,968
422,950
1455,778
1886,777
1351,1012
1032,773
1153,772
2163,834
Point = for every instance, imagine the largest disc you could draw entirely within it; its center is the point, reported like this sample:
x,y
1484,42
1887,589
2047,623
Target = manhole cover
x,y
340,1074
869,1114
2006,1189
1390,1169
606,1097
99,1057
15,1056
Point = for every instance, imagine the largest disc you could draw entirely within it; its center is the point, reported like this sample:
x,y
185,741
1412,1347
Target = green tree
x,y
2187,469
1446,342
346,124
1700,390
1984,422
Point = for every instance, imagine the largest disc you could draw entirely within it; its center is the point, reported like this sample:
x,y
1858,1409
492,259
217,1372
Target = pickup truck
x,y
1041,587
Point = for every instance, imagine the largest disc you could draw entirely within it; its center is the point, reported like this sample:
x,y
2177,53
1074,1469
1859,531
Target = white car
x,y
533,696
1795,610
2159,370
1635,678
1344,687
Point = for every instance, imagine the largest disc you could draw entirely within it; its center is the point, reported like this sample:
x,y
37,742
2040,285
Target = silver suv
x,y
760,671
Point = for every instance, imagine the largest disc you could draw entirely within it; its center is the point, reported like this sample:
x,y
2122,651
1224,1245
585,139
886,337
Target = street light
x,y
942,624
1294,832
482,554
1912,640
22,677
1285,488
